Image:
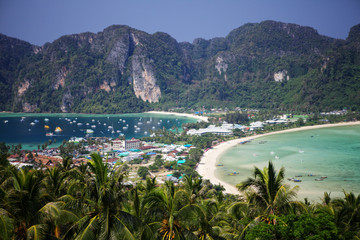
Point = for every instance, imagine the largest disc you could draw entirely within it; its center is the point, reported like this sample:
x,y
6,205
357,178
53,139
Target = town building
x,y
118,144
132,144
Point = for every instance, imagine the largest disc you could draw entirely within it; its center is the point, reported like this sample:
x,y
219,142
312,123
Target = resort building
x,y
212,129
132,144
256,125
118,144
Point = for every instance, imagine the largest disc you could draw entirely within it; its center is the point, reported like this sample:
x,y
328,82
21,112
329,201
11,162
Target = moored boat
x,y
89,131
58,129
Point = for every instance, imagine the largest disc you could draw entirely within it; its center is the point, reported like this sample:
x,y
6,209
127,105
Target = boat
x,y
46,127
298,176
219,165
297,180
89,131
319,179
79,124
36,121
32,123
49,134
46,119
6,121
58,129
93,126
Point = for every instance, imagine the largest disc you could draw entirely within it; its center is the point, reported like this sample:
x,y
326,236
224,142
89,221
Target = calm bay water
x,y
14,130
333,152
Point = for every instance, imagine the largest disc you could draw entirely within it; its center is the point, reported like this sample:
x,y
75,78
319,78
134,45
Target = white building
x,y
211,129
118,144
256,125
132,144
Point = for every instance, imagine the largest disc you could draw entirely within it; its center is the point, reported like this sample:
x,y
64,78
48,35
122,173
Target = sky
x,y
41,21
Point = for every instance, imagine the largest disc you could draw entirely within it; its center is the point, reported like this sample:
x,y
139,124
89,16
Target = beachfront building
x,y
256,125
276,121
212,129
132,144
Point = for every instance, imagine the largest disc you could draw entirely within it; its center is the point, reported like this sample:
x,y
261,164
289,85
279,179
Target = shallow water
x,y
16,131
333,152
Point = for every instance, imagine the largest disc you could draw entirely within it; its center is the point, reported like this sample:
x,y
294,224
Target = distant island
x,y
267,65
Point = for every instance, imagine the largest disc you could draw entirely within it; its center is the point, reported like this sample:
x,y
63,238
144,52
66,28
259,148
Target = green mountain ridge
x,y
121,69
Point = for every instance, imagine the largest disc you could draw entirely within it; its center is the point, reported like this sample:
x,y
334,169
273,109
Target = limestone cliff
x,y
144,81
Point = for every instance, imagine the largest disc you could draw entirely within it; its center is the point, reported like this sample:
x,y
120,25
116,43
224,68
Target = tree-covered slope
x,y
268,64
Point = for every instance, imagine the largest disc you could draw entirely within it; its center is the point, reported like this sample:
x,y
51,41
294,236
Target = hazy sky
x,y
41,21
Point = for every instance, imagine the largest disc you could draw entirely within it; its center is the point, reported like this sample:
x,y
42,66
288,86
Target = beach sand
x,y
207,165
202,118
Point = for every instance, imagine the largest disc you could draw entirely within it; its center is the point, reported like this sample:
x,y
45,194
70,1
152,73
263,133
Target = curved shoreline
x,y
207,165
202,118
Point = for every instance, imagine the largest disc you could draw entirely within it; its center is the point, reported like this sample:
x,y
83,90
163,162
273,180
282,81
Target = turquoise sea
x,y
29,129
333,152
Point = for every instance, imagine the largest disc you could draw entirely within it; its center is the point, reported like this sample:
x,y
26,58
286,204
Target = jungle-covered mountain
x,y
121,69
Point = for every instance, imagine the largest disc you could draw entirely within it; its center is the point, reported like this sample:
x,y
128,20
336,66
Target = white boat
x,y
89,131
6,121
32,123
93,126
46,119
79,124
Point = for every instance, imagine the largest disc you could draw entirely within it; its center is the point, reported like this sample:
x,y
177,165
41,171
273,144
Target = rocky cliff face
x,y
121,69
144,81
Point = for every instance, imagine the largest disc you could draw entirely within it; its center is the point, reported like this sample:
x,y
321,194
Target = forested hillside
x,y
121,69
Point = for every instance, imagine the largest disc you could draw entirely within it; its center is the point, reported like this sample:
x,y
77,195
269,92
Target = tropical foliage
x,y
93,202
94,73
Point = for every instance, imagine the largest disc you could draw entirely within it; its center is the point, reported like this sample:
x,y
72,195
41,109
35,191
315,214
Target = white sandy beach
x,y
207,165
202,118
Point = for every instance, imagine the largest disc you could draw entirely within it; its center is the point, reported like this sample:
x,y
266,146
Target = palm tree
x,y
24,197
268,190
237,218
165,210
347,214
54,182
102,217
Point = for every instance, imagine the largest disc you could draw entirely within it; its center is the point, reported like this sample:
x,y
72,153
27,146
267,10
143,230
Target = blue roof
x,y
151,153
181,161
134,150
187,145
